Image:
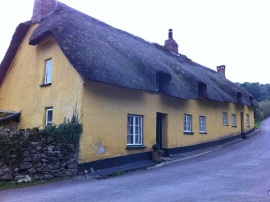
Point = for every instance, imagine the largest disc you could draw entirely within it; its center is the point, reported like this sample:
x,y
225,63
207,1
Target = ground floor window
x,y
247,120
134,129
202,124
225,118
233,120
49,116
187,123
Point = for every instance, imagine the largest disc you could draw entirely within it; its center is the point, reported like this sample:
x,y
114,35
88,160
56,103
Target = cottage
x,y
129,93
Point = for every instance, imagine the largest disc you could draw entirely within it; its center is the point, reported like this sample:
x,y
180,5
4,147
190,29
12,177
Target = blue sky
x,y
234,33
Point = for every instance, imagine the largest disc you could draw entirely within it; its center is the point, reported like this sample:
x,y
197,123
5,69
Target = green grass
x,y
118,173
257,124
4,185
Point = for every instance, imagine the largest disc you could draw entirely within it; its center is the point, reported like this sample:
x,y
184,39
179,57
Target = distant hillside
x,y
260,92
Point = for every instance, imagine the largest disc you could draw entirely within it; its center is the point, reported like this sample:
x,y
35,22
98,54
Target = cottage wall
x,y
105,110
21,90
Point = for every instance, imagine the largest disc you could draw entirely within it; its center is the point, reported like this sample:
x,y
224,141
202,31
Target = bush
x,y
156,147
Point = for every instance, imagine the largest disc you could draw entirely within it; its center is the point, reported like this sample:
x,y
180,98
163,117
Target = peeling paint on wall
x,y
99,147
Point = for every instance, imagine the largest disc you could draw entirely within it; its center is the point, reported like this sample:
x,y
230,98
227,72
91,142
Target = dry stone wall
x,y
27,154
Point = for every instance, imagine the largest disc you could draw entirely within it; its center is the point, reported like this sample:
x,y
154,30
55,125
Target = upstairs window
x,y
233,120
49,116
202,89
225,118
48,72
134,130
202,124
162,81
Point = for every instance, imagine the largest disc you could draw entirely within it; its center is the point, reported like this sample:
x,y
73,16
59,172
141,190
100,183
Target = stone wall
x,y
28,155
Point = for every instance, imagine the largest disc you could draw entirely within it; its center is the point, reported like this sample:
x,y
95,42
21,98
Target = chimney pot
x,y
221,70
170,34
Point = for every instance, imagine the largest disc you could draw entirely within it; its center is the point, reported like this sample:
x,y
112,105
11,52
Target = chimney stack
x,y
221,70
170,43
43,8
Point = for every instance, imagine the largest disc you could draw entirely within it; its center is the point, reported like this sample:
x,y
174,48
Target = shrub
x,y
156,147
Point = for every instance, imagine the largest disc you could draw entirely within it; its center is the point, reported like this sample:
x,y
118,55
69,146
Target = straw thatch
x,y
102,53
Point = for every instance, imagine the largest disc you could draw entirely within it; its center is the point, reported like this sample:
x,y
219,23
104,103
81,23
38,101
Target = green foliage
x,y
265,108
254,89
66,133
13,144
118,173
257,124
261,93
156,147
258,114
11,148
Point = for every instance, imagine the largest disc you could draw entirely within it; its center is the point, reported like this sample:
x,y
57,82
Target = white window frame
x,y
202,124
233,120
48,72
49,122
187,123
225,118
247,120
134,130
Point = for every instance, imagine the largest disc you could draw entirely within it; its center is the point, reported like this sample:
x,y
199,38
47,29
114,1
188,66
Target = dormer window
x,y
202,89
239,97
251,100
48,72
162,81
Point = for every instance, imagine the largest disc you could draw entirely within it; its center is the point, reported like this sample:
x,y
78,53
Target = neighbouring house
x,y
129,93
9,119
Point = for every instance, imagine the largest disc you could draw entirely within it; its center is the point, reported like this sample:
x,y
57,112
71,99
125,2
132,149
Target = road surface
x,y
238,172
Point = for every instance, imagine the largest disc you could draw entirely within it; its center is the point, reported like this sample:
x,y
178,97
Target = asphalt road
x,y
238,172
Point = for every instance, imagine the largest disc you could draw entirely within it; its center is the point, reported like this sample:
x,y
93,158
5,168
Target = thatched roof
x,y
14,45
102,53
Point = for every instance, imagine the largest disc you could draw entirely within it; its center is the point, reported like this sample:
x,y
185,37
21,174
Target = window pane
x,y
49,116
130,139
129,130
187,123
202,124
48,73
134,130
138,139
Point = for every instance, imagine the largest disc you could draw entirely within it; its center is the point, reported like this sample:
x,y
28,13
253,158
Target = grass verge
x,y
14,185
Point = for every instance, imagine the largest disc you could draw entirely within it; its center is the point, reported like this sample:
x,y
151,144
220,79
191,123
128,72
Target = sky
x,y
234,33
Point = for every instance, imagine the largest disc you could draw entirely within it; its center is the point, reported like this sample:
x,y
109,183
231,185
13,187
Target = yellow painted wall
x,y
105,110
20,90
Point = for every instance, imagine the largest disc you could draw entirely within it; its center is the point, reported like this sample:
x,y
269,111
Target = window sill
x,y
234,126
203,133
225,124
45,84
130,147
188,133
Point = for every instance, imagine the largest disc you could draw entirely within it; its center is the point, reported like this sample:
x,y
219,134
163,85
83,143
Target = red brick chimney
x,y
170,43
221,70
43,8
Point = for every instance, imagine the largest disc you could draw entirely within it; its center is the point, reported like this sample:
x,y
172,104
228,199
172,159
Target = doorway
x,y
160,126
